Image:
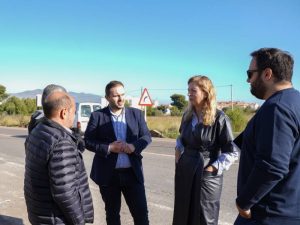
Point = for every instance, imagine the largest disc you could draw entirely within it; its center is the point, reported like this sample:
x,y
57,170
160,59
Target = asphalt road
x,y
159,182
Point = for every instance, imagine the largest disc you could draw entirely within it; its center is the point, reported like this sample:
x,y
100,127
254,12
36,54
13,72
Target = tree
x,y
127,103
15,105
30,105
3,95
175,111
179,101
162,108
9,108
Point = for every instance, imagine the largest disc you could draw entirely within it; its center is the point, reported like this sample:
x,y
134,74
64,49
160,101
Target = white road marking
x,y
9,174
159,154
5,135
170,156
224,223
13,128
21,165
4,201
160,206
16,164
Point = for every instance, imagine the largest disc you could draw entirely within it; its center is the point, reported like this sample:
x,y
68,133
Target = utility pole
x,y
231,96
145,107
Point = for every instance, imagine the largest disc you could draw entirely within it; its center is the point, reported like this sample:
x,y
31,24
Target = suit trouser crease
x,y
126,183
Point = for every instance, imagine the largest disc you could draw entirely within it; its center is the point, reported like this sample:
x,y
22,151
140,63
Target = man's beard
x,y
258,89
117,107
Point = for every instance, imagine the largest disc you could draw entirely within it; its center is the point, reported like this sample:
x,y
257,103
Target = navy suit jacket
x,y
100,133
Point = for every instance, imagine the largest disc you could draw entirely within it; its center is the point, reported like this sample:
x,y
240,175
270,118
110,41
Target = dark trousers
x,y
267,220
124,181
197,192
242,221
211,188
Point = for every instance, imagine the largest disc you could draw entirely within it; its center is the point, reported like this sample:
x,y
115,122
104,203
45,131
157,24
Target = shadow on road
x,y
7,220
20,136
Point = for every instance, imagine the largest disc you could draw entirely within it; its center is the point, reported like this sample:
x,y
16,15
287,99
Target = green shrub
x,y
238,118
175,111
154,111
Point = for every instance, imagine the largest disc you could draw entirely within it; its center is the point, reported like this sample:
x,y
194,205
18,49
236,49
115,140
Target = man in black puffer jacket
x,y
38,115
56,184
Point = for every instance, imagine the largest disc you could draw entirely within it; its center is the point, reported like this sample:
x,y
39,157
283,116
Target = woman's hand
x,y
177,155
211,169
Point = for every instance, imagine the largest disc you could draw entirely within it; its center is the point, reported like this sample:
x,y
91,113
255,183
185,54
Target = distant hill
x,y
79,97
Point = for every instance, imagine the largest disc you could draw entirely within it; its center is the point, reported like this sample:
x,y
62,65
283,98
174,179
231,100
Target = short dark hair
x,y
53,104
51,88
281,62
111,85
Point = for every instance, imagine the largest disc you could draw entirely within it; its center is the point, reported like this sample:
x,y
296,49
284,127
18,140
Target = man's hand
x,y
117,146
129,148
244,213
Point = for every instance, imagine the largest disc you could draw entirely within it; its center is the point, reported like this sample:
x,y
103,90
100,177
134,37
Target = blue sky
x,y
156,44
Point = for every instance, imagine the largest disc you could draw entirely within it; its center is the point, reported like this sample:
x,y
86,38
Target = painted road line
x,y
169,156
163,207
5,135
159,154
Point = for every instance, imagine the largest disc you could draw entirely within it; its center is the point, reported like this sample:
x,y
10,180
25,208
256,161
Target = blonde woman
x,y
203,150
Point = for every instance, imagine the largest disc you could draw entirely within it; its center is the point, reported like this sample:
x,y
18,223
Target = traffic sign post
x,y
145,100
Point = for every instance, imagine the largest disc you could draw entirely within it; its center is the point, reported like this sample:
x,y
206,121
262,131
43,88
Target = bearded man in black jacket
x,y
56,184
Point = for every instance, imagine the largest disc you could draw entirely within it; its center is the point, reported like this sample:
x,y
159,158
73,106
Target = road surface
x,y
159,182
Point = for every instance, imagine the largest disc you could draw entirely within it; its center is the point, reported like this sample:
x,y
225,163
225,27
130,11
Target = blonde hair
x,y
209,102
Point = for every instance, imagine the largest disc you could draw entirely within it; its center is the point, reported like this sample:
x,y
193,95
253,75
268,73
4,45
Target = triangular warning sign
x,y
145,98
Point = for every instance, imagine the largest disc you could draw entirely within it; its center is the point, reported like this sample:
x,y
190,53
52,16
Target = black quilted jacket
x,y
56,185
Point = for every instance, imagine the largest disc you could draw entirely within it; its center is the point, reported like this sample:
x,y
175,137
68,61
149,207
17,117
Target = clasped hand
x,y
121,146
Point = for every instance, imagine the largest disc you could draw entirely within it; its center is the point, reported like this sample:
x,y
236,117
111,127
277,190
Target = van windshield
x,y
86,111
96,107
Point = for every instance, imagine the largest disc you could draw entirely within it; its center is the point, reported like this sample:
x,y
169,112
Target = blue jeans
x,y
243,221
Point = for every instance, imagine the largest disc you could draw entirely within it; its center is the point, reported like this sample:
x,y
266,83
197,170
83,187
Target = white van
x,y
83,113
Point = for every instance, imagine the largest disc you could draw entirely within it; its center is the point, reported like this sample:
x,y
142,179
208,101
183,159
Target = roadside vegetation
x,y
164,119
168,126
15,112
14,120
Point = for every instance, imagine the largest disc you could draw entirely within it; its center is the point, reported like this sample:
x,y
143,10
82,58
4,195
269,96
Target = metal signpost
x,y
145,100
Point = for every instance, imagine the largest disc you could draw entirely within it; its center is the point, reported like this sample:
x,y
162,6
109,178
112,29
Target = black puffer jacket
x,y
56,184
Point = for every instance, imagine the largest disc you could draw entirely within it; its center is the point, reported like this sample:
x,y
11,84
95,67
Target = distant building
x,y
167,112
38,100
227,104
155,103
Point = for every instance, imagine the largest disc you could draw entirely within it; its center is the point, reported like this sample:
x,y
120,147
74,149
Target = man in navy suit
x,y
118,135
268,179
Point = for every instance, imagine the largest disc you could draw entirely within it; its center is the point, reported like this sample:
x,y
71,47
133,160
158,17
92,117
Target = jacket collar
x,y
129,121
54,124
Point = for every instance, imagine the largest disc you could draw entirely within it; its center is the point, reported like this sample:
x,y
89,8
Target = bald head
x,y
55,102
50,89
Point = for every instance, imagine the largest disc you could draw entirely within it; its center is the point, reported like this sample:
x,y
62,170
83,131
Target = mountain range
x,y
79,97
